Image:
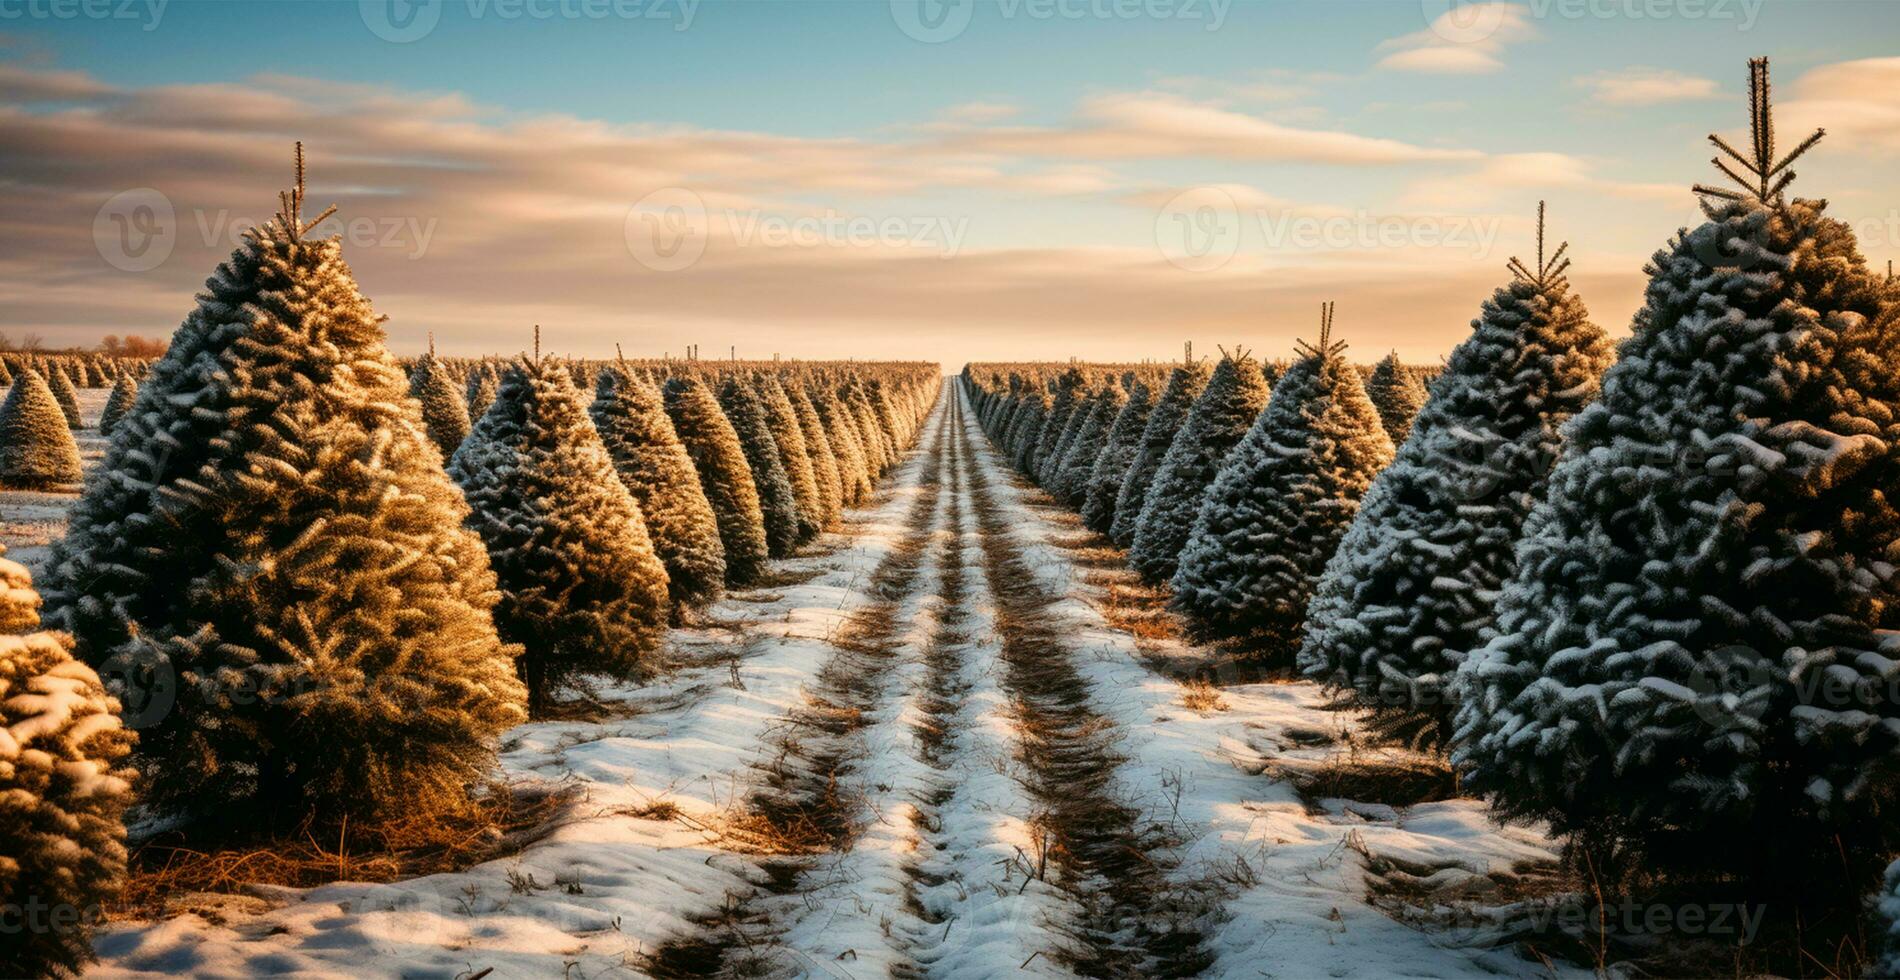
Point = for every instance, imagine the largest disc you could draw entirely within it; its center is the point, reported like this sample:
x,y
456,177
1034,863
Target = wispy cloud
x,y
1858,102
1465,39
1646,86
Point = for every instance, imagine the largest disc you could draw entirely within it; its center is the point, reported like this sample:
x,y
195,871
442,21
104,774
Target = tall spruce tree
x,y
1184,388
1235,395
656,469
270,565
480,390
63,394
824,459
1693,661
782,419
1070,483
124,392
1398,395
63,792
778,505
724,475
37,451
1415,581
853,471
1282,501
1119,448
444,408
581,588
1068,392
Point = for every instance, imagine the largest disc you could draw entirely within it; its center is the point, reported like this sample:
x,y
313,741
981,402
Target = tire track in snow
x,y
1104,852
803,807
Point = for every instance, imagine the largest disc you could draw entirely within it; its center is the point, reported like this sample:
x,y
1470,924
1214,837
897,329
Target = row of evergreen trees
x,y
1648,596
318,591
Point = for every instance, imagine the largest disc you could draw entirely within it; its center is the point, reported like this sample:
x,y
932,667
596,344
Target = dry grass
x,y
503,821
1202,696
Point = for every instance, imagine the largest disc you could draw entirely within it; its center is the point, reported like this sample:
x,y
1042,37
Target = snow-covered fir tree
x,y
656,469
1026,428
724,475
479,392
853,471
1070,484
37,451
124,391
824,460
1170,412
444,406
797,456
1398,394
581,588
1281,502
1694,660
63,393
778,505
64,788
1416,580
1234,396
1069,390
272,564
1120,445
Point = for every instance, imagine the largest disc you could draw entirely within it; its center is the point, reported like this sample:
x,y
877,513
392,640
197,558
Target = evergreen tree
x,y
853,471
63,792
1066,394
581,588
63,394
1119,448
656,469
1171,410
724,475
777,504
6,372
1416,579
1693,661
444,409
1282,501
273,545
782,420
480,391
124,392
1398,395
37,451
1070,484
1226,409
824,458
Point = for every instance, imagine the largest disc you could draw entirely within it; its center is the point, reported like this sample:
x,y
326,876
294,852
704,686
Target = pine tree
x,y
1693,660
782,420
444,409
853,471
656,469
63,792
1416,579
1184,388
272,542
63,394
1281,502
1227,407
1027,428
581,588
724,474
1398,395
1070,484
37,451
777,504
825,466
6,373
480,391
124,392
1050,466
1119,449
1067,394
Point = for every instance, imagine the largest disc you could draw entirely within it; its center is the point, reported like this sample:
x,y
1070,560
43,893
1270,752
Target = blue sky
x,y
1057,134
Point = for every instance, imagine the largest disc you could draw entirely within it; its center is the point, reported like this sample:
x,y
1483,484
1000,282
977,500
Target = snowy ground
x,y
1003,786
30,520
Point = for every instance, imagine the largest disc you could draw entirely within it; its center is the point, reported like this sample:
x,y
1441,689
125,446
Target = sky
x,y
945,180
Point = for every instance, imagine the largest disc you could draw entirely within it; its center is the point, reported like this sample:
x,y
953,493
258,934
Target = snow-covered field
x,y
1017,791
31,520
